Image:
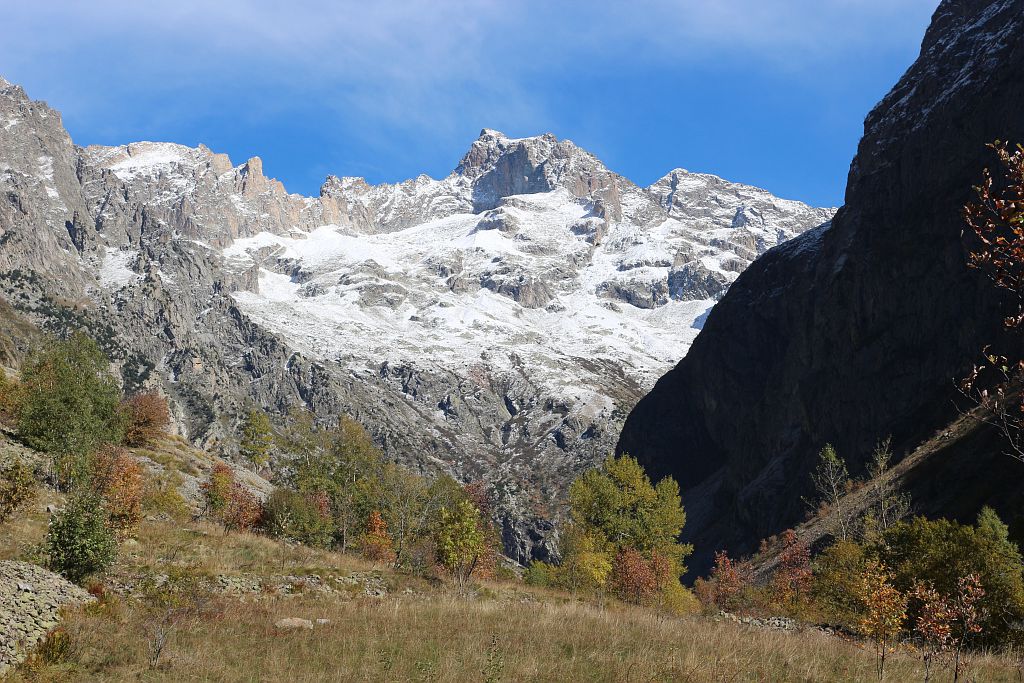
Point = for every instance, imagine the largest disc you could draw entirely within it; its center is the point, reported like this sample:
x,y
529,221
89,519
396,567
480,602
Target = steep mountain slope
x,y
856,331
497,323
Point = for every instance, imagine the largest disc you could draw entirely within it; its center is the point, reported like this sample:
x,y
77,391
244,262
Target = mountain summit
x,y
497,323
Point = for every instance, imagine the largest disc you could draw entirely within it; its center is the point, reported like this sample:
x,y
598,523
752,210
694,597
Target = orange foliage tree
x,y
148,417
793,576
727,579
118,479
946,624
376,544
885,610
967,617
934,625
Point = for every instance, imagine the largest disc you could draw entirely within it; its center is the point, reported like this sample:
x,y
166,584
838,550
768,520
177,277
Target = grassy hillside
x,y
953,474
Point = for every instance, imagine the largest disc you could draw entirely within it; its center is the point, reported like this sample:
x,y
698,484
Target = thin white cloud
x,y
419,64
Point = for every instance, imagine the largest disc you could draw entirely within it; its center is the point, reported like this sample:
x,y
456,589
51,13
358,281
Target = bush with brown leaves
x,y
243,510
148,417
118,479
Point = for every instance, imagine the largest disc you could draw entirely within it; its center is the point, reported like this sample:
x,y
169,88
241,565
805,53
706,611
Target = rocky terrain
x,y
30,601
860,329
497,324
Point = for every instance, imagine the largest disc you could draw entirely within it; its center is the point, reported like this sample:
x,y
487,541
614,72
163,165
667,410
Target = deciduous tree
x,y
995,222
257,439
617,507
148,417
17,487
888,505
375,543
117,478
885,610
459,540
793,576
78,540
933,625
69,403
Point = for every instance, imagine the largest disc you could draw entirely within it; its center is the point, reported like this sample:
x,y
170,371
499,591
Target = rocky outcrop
x,y
30,602
853,332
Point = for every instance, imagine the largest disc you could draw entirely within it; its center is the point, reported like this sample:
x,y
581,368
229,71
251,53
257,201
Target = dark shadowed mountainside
x,y
856,331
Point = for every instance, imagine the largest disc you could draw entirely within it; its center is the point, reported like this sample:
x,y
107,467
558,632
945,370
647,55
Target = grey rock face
x,y
849,333
496,324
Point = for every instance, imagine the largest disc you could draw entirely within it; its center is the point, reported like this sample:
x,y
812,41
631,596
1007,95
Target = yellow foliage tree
x,y
885,610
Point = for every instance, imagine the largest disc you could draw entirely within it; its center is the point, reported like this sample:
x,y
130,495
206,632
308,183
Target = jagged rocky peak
x,y
201,194
495,324
499,167
493,147
139,162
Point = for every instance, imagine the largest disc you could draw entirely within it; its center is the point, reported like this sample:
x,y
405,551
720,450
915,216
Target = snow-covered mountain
x,y
497,323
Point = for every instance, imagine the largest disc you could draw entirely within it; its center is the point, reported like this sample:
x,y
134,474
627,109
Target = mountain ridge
x,y
495,324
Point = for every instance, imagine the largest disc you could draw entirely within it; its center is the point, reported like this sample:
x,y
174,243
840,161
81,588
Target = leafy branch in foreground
x,y
996,222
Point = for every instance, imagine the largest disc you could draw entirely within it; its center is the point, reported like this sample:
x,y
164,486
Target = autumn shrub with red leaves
x,y
638,577
724,584
243,511
793,575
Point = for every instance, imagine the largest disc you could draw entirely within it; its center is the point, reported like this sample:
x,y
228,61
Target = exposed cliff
x,y
852,332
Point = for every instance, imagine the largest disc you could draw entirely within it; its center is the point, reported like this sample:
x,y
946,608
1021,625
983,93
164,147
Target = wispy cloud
x,y
396,59
411,67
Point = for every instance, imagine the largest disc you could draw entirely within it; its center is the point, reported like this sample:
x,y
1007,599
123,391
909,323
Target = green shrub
x,y
540,574
675,598
837,578
58,648
460,540
296,517
69,401
940,552
217,488
257,439
79,542
17,487
9,399
161,495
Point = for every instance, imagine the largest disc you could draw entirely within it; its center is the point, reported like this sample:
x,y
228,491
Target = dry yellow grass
x,y
450,638
502,632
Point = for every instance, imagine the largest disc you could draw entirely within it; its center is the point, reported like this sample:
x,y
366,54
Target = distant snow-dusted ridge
x,y
497,323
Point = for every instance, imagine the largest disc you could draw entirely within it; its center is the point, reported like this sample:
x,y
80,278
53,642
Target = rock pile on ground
x,y
354,584
30,601
773,623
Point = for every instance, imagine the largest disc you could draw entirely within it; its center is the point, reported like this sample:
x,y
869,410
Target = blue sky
x,y
769,93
